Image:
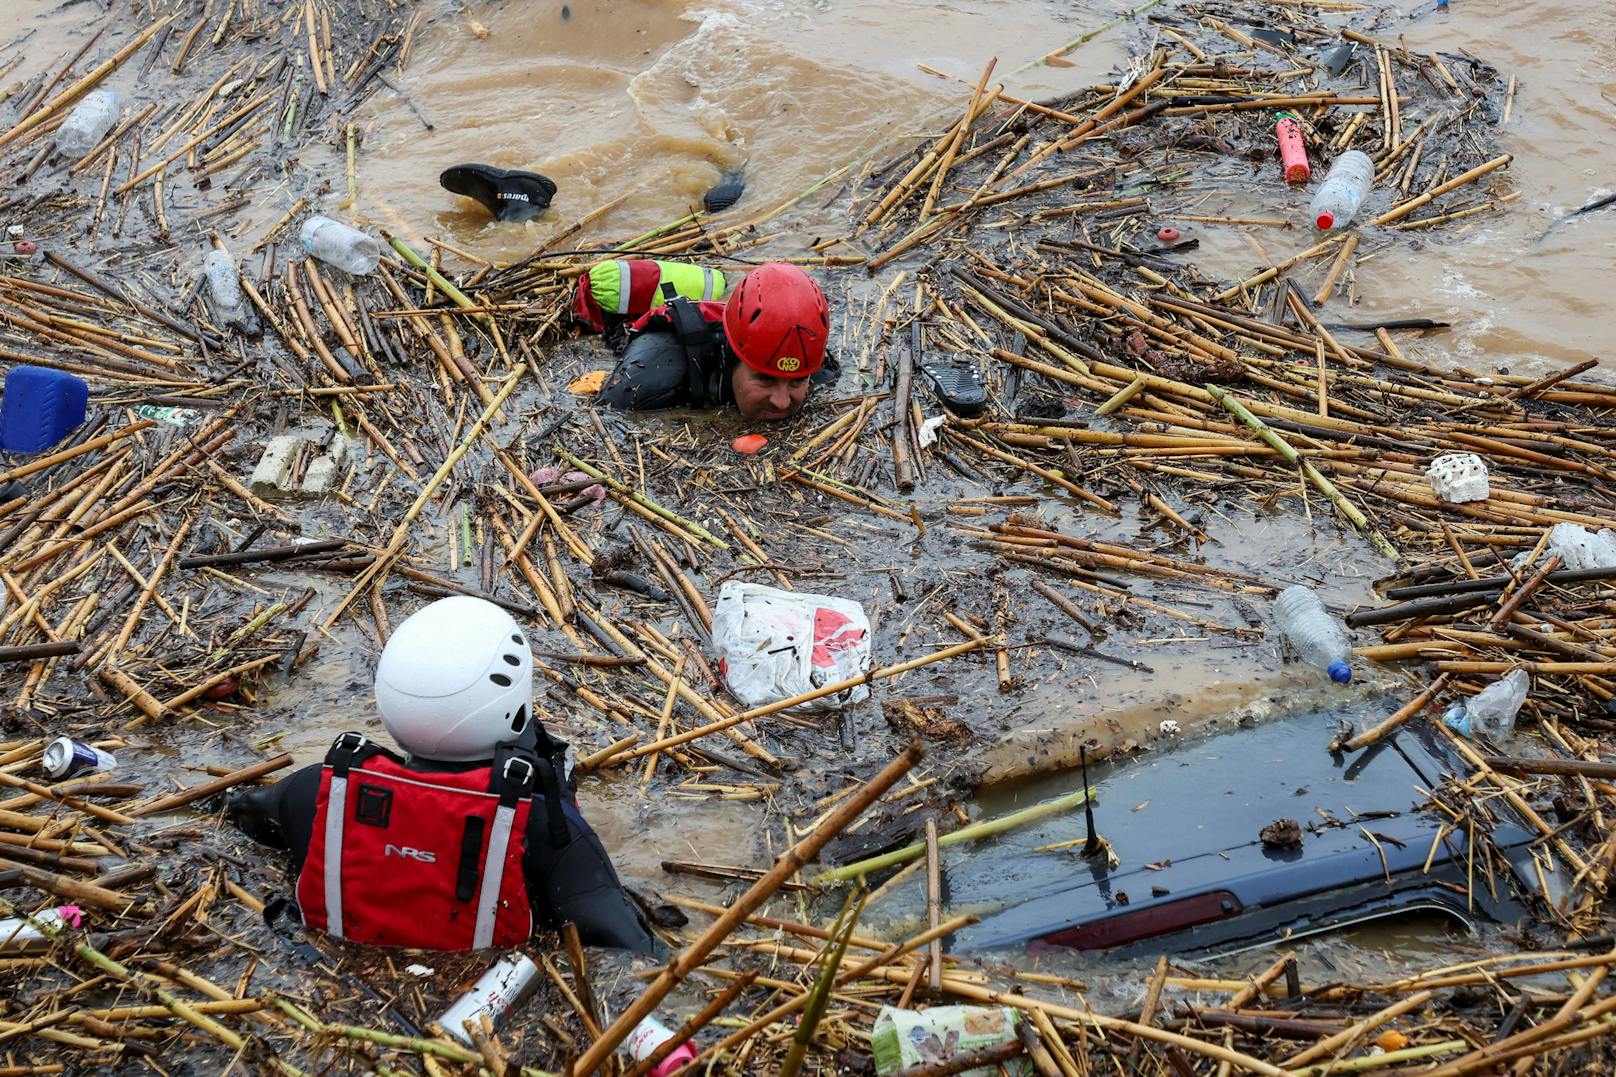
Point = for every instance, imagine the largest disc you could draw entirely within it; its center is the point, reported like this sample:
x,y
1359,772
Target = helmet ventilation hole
x,y
516,638
511,660
519,723
500,679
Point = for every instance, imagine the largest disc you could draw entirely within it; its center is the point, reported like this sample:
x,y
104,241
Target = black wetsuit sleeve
x,y
280,816
577,882
653,373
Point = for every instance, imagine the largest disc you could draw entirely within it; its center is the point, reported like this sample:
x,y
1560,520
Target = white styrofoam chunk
x,y
1459,477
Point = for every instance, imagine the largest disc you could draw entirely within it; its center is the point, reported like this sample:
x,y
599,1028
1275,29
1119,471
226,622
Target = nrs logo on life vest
x,y
423,855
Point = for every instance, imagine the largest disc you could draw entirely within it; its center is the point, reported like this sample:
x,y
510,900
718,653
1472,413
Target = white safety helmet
x,y
455,681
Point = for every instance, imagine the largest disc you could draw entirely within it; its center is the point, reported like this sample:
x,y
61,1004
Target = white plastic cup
x,y
333,242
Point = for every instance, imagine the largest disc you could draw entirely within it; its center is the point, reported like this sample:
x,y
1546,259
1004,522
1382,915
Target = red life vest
x,y
402,857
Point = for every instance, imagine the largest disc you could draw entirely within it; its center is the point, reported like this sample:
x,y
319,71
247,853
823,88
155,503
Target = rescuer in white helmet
x,y
471,839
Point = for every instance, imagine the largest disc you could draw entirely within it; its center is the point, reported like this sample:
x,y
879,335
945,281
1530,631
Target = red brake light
x,y
1147,922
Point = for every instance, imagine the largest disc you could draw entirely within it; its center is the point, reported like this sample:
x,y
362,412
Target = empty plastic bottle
x,y
1492,710
1343,190
224,287
1319,638
650,1034
88,123
346,248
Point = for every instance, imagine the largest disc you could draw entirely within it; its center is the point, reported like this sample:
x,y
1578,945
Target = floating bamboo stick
x,y
788,864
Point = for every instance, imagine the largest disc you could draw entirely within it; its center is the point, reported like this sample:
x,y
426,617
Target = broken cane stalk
x,y
789,863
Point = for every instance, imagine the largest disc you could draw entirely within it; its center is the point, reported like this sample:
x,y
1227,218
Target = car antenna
x,y
1091,842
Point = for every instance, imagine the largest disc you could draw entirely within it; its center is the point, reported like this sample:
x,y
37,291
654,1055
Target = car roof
x,y
1187,821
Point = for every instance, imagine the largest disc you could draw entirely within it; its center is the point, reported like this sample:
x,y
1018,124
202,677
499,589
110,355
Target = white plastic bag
x,y
774,645
1580,548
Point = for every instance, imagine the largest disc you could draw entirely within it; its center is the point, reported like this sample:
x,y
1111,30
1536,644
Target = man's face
x,y
761,397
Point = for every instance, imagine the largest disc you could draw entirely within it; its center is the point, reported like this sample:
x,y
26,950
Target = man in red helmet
x,y
759,350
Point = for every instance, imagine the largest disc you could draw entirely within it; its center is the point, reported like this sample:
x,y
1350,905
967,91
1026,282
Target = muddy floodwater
x,y
639,106
656,100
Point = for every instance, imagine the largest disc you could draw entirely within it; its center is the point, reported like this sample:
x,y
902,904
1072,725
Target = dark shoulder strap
x,y
703,350
539,766
352,750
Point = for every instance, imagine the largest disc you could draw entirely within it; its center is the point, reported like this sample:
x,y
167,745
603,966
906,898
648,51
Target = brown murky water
x,y
655,99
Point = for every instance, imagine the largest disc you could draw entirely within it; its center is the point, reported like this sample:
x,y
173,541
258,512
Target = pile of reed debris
x,y
156,605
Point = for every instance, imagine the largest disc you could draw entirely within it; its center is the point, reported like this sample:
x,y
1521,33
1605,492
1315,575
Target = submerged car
x,y
1194,873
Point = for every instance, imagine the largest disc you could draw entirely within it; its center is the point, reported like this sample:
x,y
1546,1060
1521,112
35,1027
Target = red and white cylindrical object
x,y
650,1034
1292,150
500,989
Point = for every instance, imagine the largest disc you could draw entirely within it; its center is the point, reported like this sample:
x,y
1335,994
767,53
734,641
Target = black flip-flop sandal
x,y
506,193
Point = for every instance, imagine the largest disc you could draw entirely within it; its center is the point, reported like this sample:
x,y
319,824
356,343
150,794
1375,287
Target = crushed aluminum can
x,y
66,757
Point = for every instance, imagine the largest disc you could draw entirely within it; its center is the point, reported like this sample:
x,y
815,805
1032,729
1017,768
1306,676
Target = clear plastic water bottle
x,y
1491,711
650,1034
224,287
1343,190
346,248
1318,637
88,123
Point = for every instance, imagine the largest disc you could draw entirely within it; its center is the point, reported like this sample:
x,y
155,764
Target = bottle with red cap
x,y
1343,190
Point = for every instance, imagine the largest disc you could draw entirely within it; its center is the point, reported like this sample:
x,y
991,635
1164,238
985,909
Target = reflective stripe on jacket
x,y
627,288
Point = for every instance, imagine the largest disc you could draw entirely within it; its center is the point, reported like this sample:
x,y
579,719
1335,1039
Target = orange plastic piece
x,y
747,444
588,384
1292,150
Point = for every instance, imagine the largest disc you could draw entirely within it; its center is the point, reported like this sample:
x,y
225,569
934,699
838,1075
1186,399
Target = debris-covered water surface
x,y
1065,471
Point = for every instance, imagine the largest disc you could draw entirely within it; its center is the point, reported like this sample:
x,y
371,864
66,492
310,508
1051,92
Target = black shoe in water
x,y
961,388
508,194
726,194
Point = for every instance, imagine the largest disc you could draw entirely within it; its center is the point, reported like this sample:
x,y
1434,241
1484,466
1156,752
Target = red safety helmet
x,y
776,321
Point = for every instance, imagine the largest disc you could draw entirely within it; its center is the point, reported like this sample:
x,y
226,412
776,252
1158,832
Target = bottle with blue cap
x,y
1318,638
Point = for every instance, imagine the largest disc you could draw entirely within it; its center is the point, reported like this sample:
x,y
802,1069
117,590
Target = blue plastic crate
x,y
40,407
